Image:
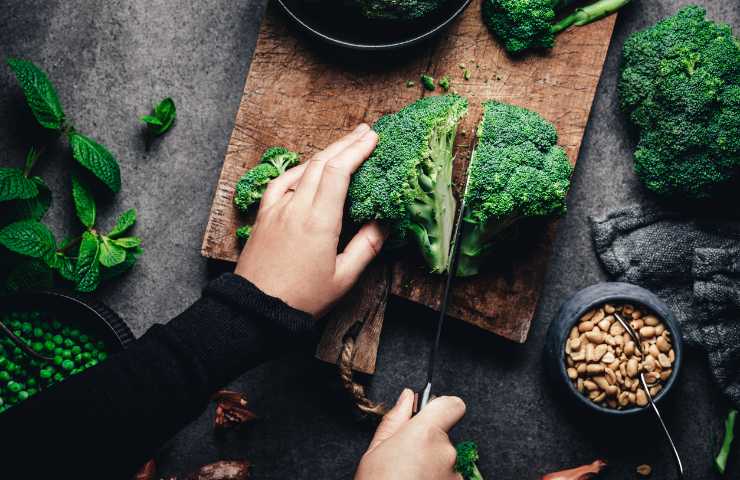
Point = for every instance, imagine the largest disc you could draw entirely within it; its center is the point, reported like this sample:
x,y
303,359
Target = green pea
x,y
32,392
84,338
68,365
58,360
31,382
58,339
102,356
4,376
3,360
68,343
93,362
66,354
86,356
56,324
49,345
74,333
58,350
23,395
17,352
58,377
78,358
14,387
38,346
45,373
26,328
46,326
37,332
76,349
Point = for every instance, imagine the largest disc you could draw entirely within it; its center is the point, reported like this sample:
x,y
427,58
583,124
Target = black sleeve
x,y
107,421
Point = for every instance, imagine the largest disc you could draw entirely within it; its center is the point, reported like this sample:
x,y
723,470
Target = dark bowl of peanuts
x,y
613,347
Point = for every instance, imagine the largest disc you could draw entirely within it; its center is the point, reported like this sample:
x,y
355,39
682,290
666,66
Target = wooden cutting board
x,y
303,95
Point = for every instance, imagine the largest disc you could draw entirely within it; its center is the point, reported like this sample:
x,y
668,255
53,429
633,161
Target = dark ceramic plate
x,y
338,23
585,300
90,314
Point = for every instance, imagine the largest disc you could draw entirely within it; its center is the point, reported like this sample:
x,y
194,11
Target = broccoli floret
x,y
528,24
465,464
407,181
274,162
680,86
398,9
516,171
427,81
444,83
243,233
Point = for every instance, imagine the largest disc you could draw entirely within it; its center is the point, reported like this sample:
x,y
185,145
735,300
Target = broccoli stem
x,y
589,13
476,243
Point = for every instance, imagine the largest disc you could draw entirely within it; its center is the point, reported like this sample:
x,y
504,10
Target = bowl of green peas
x,y
45,337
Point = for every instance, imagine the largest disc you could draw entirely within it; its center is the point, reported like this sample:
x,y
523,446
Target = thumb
x,y
442,413
396,418
360,251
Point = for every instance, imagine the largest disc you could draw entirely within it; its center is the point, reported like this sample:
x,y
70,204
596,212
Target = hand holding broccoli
x,y
292,253
414,448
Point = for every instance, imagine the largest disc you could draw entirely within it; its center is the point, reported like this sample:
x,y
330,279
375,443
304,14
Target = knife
x,y
422,400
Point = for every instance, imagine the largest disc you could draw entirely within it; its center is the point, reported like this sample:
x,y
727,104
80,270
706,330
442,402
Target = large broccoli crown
x,y
407,181
521,24
398,9
516,171
680,86
251,186
386,185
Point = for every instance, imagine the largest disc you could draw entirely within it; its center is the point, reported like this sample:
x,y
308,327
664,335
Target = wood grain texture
x,y
303,95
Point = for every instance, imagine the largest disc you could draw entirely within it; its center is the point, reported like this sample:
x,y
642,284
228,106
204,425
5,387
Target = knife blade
x,y
425,397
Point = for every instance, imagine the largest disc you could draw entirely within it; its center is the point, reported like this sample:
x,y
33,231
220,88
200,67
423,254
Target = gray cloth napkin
x,y
693,265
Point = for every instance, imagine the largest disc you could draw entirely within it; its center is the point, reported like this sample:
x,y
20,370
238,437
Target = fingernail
x,y
361,128
404,395
369,135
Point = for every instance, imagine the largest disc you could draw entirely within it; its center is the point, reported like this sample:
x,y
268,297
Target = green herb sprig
x,y
33,255
162,117
721,461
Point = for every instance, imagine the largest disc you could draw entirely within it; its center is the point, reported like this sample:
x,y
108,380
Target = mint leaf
x,y
39,92
87,270
32,208
67,269
127,242
125,221
162,118
97,159
131,257
150,120
28,237
30,274
84,203
110,253
14,185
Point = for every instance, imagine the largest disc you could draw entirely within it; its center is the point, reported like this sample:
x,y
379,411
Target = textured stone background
x,y
112,59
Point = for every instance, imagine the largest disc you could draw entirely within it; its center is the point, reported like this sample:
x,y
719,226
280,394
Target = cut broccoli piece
x,y
274,162
465,464
398,9
243,233
407,181
680,86
428,82
444,83
528,24
516,171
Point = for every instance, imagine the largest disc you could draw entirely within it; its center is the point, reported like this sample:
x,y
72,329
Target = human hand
x,y
415,448
292,251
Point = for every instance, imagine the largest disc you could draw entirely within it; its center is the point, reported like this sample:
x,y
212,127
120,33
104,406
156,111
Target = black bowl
x,y
91,315
338,24
583,301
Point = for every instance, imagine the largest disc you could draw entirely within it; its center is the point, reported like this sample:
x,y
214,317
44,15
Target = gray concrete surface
x,y
112,59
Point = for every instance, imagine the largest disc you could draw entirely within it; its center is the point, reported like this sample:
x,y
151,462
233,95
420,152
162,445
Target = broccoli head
x,y
526,24
407,181
516,171
243,233
680,87
398,9
465,464
250,187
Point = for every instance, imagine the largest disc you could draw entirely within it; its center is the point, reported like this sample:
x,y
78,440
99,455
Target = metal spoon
x,y
646,387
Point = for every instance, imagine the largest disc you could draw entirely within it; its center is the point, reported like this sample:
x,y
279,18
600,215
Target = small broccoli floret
x,y
427,81
444,83
407,181
274,162
526,24
680,86
516,171
465,464
398,9
243,233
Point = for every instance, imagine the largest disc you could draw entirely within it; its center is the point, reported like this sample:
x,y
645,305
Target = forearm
x,y
121,411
